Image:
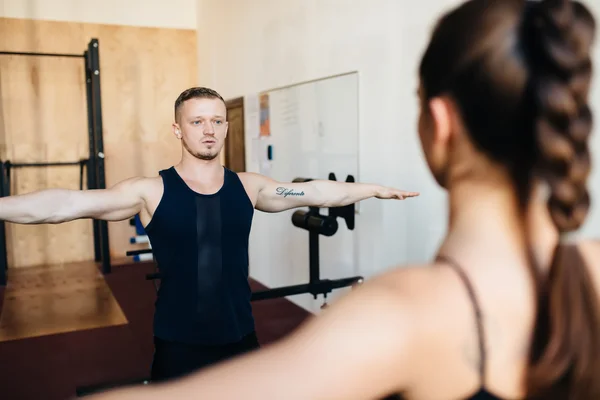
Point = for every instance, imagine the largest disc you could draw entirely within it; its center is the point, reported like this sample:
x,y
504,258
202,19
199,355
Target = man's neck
x,y
199,170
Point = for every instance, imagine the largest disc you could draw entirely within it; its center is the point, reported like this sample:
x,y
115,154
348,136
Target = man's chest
x,y
208,219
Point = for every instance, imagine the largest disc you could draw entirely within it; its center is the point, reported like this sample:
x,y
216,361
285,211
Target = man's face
x,y
202,127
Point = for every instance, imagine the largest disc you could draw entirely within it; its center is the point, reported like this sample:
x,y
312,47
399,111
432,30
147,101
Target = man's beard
x,y
206,156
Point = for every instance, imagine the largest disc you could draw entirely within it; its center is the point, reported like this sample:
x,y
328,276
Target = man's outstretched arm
x,y
54,206
273,196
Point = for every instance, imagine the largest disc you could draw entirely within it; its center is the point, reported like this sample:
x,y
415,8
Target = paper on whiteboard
x,y
264,112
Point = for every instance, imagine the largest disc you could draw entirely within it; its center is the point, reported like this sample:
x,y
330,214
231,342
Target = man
x,y
197,215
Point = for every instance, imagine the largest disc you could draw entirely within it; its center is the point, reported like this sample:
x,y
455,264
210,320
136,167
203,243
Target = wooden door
x,y
235,149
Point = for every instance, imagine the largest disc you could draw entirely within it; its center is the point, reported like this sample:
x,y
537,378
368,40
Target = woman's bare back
x,y
448,361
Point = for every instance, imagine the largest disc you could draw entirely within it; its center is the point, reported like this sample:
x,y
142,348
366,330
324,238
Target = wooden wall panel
x,y
44,118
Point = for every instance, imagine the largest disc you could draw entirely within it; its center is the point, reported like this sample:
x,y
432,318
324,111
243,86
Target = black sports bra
x,y
482,393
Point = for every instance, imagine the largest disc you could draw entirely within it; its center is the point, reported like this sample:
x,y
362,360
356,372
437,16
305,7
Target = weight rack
x,y
94,164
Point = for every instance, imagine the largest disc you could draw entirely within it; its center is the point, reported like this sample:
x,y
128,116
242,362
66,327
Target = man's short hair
x,y
196,93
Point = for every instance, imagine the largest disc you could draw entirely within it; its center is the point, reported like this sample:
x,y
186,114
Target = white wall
x,y
151,13
246,47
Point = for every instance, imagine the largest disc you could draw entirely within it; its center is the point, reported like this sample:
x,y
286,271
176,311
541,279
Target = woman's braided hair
x,y
520,72
565,356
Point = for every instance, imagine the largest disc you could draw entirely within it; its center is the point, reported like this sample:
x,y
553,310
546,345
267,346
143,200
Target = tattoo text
x,y
285,192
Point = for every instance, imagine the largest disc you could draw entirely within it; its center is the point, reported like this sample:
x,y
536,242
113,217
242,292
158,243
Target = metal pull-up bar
x,y
31,53
46,164
8,165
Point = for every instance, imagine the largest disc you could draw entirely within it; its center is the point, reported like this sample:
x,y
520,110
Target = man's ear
x,y
176,130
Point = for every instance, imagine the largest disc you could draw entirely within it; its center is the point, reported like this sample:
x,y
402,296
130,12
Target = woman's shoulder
x,y
386,324
409,300
416,281
381,325
589,249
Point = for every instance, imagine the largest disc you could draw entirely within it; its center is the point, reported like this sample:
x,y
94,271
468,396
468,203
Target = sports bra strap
x,y
478,316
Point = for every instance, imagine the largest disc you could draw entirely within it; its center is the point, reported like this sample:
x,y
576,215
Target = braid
x,y
520,72
565,353
563,72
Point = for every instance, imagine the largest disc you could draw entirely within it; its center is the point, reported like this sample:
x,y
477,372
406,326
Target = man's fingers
x,y
409,194
398,194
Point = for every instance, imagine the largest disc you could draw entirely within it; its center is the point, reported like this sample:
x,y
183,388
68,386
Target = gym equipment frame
x,y
316,224
94,164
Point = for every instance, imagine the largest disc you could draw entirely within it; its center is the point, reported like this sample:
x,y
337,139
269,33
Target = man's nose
x,y
209,129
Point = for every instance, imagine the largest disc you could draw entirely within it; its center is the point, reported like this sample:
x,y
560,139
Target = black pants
x,y
172,360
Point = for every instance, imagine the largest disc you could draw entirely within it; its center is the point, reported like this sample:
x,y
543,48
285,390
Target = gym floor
x,y
70,327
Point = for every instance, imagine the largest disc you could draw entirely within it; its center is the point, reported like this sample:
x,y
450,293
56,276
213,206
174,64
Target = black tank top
x,y
482,393
200,244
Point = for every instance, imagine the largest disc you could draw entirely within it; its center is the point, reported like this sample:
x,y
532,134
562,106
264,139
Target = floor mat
x,y
53,367
55,299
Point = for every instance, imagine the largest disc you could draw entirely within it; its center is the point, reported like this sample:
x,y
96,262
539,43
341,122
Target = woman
x,y
506,311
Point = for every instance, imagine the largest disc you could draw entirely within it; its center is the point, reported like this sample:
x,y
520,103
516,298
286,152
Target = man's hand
x,y
391,193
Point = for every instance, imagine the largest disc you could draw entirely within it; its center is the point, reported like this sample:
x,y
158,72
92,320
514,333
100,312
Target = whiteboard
x,y
312,129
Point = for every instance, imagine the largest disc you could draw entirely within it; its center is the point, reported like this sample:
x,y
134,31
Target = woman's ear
x,y
441,127
440,109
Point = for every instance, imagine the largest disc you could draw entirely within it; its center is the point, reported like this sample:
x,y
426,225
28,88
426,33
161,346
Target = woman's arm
x,y
359,348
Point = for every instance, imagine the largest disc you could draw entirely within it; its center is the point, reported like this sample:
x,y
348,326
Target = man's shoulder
x,y
253,181
250,175
143,185
142,180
